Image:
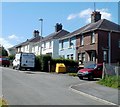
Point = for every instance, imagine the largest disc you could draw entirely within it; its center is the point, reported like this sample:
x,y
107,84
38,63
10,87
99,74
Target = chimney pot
x,y
58,27
95,16
36,33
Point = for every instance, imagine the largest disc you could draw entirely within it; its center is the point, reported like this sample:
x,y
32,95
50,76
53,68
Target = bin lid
x,y
60,65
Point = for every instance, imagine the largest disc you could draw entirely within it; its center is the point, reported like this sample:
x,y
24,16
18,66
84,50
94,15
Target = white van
x,y
24,61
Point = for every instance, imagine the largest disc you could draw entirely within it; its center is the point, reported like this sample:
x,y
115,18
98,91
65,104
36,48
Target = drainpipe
x,y
109,47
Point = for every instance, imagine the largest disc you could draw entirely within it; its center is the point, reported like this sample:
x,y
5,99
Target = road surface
x,y
40,88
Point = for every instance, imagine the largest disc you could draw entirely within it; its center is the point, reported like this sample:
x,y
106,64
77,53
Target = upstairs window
x,y
93,38
62,42
44,44
82,40
70,42
50,44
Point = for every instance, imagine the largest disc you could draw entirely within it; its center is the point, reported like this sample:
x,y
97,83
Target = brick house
x,y
98,41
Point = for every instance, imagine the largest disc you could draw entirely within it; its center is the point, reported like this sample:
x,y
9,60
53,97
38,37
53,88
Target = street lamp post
x,y
41,20
41,28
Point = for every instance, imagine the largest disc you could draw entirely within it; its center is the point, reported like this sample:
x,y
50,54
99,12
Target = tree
x,y
3,51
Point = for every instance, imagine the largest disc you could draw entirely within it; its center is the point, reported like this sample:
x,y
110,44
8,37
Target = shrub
x,y
38,63
11,57
44,62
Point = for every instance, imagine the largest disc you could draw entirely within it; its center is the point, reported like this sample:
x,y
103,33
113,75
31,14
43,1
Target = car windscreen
x,y
92,66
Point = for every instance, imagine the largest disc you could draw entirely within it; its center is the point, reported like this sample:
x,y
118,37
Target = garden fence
x,y
111,69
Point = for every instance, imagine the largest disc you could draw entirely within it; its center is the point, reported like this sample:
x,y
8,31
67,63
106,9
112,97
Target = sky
x,y
20,19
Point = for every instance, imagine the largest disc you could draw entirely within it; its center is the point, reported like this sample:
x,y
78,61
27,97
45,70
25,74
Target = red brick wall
x,y
87,44
115,50
101,41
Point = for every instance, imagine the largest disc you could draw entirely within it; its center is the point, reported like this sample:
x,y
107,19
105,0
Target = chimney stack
x,y
95,16
58,27
36,33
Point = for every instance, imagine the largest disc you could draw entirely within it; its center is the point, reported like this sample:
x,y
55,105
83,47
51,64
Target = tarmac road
x,y
39,88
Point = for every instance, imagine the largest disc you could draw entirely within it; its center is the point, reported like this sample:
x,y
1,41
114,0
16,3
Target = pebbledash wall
x,y
68,50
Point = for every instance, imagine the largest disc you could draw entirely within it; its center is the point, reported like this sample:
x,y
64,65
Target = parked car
x,y
4,61
91,71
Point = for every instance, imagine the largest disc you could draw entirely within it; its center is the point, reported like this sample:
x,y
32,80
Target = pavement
x,y
98,92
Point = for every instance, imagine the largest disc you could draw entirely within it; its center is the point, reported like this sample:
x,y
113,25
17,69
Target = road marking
x,y
90,96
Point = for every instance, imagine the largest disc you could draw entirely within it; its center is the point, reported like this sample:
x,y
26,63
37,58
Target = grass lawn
x,y
72,74
110,81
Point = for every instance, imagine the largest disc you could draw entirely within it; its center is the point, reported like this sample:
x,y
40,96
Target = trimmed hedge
x,y
45,63
67,62
71,65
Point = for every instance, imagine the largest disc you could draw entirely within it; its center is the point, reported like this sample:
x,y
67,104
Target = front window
x,y
67,56
72,56
105,55
81,58
93,38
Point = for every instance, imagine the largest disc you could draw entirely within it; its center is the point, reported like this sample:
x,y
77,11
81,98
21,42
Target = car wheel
x,y
90,77
18,67
81,78
13,67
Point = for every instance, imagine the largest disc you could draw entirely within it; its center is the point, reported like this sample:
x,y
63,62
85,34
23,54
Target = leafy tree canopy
x,y
3,51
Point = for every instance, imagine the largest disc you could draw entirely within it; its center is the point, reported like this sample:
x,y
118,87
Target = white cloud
x,y
86,14
71,16
6,44
12,37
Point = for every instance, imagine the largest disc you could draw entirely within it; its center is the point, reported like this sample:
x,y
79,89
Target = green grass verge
x,y
72,74
110,81
3,103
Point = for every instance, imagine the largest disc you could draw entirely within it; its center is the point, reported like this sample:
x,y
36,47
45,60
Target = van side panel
x,y
27,60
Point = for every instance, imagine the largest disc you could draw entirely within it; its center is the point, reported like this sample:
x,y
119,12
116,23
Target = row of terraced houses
x,y
97,41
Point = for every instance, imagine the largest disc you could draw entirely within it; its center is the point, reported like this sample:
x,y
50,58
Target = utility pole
x,y
94,7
